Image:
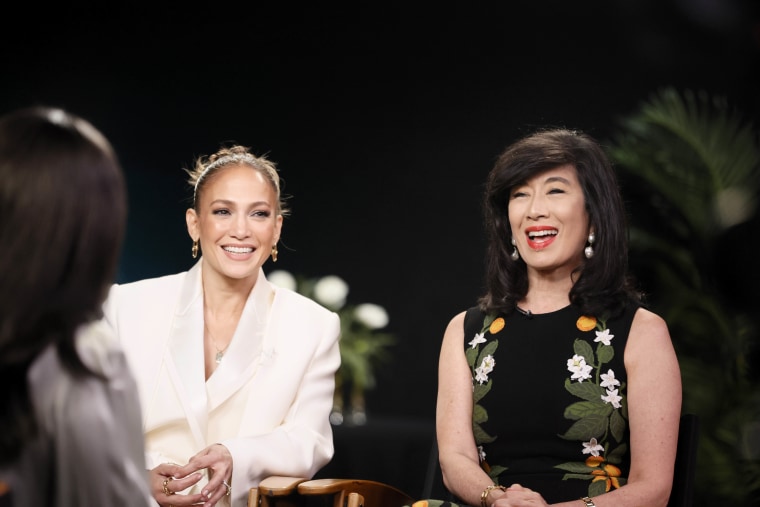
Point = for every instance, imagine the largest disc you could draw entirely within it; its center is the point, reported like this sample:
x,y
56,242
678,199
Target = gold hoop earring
x,y
195,250
274,253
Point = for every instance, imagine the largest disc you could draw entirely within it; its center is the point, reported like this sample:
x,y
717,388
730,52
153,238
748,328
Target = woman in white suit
x,y
236,375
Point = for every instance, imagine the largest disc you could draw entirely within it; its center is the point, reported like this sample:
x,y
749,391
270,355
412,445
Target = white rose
x,y
331,291
371,315
282,278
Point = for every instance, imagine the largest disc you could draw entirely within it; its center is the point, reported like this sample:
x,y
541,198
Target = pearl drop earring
x,y
515,254
589,250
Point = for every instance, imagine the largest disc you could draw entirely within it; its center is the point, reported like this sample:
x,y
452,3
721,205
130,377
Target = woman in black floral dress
x,y
559,387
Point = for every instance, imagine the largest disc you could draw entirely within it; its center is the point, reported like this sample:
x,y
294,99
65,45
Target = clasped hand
x,y
169,480
519,496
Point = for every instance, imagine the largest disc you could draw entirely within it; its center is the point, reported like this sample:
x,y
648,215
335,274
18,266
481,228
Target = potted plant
x,y
363,344
691,176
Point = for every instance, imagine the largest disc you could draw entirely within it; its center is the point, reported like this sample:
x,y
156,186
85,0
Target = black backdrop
x,y
384,121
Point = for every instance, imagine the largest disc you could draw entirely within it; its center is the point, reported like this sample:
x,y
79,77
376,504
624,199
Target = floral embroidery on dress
x,y
482,363
601,414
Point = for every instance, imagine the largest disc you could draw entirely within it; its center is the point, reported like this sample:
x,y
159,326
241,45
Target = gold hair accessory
x,y
195,250
235,158
274,253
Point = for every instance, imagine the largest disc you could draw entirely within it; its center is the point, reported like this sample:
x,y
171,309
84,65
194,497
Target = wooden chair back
x,y
298,492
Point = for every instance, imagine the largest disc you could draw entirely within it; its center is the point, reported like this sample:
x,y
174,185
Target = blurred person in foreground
x,y
70,429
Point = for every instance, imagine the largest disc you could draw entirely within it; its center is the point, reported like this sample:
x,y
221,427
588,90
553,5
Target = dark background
x,y
384,121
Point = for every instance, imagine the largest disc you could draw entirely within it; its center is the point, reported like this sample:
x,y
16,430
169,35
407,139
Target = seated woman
x,y
236,375
559,387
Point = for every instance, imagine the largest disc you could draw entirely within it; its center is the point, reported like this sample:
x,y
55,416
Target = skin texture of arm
x,y
458,454
654,401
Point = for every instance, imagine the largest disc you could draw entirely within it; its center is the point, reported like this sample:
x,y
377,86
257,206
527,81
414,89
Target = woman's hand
x,y
167,480
217,460
518,496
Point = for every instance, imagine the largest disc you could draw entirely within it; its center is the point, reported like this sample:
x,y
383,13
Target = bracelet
x,y
487,491
589,502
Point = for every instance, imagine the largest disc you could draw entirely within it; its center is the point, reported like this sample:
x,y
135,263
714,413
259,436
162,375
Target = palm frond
x,y
692,149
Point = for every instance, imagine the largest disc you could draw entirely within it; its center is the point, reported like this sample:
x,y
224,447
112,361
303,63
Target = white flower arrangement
x,y
362,344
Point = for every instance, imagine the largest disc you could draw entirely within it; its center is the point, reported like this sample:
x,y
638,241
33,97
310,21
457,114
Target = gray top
x,y
90,450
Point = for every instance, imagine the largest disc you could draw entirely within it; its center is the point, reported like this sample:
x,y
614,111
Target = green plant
x,y
363,344
691,173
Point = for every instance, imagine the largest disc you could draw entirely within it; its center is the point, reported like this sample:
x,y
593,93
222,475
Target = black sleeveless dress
x,y
550,404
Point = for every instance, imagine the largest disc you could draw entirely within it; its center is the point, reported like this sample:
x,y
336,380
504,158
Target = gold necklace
x,y
219,352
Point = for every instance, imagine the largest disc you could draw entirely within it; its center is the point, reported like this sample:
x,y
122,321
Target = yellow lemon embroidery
x,y
585,323
496,326
609,474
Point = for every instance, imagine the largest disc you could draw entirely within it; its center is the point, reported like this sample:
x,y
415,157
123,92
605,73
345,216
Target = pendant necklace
x,y
219,352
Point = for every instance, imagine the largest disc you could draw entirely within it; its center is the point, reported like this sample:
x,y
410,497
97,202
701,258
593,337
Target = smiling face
x,y
549,221
237,223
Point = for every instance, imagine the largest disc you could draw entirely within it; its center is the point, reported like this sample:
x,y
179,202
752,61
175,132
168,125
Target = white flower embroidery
x,y
612,397
577,365
479,338
604,336
592,447
609,380
486,367
488,363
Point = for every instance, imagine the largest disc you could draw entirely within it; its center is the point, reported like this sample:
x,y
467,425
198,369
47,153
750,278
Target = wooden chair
x,y
682,494
280,491
300,492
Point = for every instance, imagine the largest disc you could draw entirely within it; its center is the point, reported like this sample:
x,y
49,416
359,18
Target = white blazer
x,y
268,401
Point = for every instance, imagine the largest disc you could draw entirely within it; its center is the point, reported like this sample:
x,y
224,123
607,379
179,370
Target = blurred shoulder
x,y
100,350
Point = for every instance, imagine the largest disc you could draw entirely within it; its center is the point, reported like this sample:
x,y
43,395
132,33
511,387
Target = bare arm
x,y
457,451
654,402
654,409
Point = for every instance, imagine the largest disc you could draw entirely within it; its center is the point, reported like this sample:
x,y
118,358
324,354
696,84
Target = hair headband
x,y
246,158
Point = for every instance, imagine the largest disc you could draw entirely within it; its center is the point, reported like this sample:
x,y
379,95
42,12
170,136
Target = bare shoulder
x,y
649,324
457,321
454,331
649,338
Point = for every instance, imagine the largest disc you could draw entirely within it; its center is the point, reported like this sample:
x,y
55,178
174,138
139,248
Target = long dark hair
x,y
62,220
603,283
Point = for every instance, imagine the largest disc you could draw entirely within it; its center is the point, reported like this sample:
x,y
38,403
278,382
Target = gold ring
x,y
229,488
166,486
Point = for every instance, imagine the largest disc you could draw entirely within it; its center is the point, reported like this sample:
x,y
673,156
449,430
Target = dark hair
x,y
63,207
603,284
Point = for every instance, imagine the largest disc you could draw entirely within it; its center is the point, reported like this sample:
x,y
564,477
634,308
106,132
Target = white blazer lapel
x,y
185,360
244,355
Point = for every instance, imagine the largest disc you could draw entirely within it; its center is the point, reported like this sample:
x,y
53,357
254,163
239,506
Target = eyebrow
x,y
227,202
554,179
